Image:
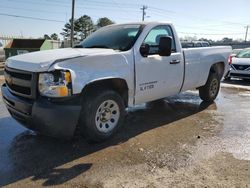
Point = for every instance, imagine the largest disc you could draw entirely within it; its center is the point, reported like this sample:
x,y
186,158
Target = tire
x,y
210,90
102,114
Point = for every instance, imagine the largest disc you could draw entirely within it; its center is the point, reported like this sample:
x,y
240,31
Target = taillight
x,y
230,60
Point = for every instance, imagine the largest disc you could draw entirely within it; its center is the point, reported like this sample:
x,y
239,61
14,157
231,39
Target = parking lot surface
x,y
176,142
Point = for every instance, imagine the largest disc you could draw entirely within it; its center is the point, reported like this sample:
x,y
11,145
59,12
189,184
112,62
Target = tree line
x,y
224,40
83,27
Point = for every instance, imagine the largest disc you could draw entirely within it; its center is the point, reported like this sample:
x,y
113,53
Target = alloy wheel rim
x,y
107,116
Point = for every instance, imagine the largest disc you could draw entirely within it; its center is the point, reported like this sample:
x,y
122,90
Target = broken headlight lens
x,y
55,84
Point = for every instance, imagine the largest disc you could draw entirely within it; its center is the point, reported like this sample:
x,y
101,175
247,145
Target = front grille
x,y
20,89
19,75
241,67
21,83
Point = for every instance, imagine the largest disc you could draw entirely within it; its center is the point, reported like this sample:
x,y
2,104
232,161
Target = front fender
x,y
88,69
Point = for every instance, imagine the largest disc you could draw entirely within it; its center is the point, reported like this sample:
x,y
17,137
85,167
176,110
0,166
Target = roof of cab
x,y
145,23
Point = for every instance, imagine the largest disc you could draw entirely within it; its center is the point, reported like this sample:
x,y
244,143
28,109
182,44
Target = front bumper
x,y
239,74
56,119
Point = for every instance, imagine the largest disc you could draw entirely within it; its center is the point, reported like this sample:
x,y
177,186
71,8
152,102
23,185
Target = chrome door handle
x,y
175,61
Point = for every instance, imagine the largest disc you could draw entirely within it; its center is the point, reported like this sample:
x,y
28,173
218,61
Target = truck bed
x,y
199,60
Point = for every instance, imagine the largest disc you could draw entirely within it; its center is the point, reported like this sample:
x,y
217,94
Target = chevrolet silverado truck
x,y
88,88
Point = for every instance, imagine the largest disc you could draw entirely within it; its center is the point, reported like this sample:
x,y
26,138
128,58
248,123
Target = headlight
x,y
56,84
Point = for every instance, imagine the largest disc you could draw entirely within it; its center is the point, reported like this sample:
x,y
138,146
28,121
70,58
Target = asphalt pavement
x,y
176,142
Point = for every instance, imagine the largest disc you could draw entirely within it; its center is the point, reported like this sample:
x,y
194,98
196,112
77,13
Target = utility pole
x,y
246,33
72,24
143,12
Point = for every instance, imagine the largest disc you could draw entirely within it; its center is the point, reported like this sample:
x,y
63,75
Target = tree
x,y
84,26
227,40
54,36
188,38
203,39
101,22
46,37
67,30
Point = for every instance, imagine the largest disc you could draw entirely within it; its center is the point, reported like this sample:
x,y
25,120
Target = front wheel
x,y
210,90
102,114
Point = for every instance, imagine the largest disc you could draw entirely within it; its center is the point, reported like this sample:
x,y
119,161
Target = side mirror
x,y
165,46
144,50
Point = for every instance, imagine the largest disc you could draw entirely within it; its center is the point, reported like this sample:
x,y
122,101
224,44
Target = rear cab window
x,y
154,35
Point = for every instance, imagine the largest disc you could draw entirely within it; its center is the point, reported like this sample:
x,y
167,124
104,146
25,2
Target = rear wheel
x,y
210,90
102,114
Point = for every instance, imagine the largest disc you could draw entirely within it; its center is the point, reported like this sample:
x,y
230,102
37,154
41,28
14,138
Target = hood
x,y
42,60
241,61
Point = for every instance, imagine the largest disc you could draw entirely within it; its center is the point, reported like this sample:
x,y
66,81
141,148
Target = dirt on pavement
x,y
177,142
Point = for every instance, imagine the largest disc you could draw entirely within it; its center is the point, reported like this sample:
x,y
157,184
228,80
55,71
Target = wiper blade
x,y
97,46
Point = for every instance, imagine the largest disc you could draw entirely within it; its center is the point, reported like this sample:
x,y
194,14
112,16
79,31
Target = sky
x,y
211,19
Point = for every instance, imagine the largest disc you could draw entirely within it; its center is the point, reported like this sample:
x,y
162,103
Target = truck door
x,y
158,76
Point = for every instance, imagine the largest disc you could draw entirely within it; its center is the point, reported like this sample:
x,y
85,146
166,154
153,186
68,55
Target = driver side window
x,y
153,38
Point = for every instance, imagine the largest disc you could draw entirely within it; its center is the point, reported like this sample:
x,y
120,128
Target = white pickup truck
x,y
88,88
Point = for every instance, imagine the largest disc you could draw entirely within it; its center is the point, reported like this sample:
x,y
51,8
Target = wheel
x,y
102,114
210,90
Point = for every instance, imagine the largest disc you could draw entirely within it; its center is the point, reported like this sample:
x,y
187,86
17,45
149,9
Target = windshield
x,y
117,37
244,54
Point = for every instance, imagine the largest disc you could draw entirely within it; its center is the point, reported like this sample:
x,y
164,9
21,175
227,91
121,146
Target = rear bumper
x,y
56,119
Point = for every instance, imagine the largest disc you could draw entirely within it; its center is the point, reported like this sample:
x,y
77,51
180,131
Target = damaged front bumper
x,y
47,117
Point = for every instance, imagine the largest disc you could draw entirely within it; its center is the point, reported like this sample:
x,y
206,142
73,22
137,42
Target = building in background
x,y
21,46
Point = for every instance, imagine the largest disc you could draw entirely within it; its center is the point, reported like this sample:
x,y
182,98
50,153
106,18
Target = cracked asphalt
x,y
176,142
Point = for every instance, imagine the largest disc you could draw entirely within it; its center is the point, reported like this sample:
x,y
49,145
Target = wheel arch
x,y
219,68
117,84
